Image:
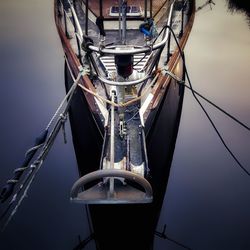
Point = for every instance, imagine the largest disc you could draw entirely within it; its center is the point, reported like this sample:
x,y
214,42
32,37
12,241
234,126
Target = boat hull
x,y
128,226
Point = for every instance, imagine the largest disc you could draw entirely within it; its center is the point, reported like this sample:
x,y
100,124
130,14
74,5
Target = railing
x,y
112,51
165,39
74,23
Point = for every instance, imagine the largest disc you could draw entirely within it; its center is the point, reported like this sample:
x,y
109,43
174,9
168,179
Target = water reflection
x,y
238,5
32,86
207,202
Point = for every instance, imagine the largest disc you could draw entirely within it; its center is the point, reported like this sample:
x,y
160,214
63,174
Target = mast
x,y
151,8
124,22
100,7
120,20
145,10
86,17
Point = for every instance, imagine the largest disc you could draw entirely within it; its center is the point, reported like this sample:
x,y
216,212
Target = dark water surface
x,y
207,203
32,86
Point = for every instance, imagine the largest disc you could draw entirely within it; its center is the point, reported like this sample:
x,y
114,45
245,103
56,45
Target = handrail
x,y
122,52
79,29
135,51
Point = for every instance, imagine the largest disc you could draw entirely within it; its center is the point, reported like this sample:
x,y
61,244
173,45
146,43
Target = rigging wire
x,y
202,107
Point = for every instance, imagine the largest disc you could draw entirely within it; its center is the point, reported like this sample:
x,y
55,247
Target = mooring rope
x,y
101,98
181,82
205,111
63,102
35,166
164,236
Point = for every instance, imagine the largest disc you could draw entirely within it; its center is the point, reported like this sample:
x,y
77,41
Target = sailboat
x,y
126,57
125,115
124,78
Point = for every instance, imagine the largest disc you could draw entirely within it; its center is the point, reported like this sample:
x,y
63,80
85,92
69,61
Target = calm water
x,y
32,86
207,204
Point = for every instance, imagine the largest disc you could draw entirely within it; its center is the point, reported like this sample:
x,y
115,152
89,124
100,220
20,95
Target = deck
x,y
134,36
95,7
